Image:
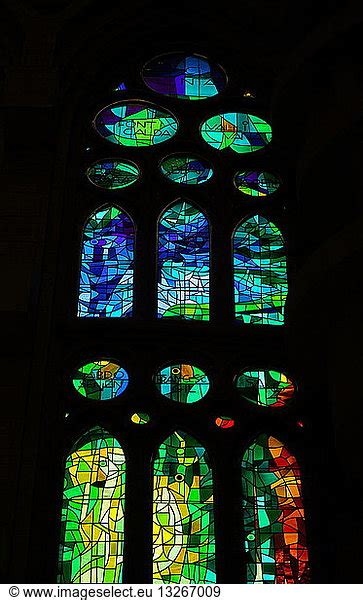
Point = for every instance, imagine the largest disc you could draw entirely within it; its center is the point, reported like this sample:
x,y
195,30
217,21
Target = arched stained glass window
x,y
260,278
184,544
273,514
107,265
92,532
183,263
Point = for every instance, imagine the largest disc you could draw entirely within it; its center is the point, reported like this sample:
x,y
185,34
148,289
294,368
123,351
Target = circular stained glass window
x,y
113,174
100,380
184,76
256,183
182,383
186,169
240,132
265,388
135,124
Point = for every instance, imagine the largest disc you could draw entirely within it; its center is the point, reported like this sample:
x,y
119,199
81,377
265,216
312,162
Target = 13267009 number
x,y
189,591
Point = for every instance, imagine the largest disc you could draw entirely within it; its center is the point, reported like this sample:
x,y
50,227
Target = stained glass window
x,y
186,169
184,544
92,530
260,279
182,383
92,537
100,380
106,280
140,418
137,124
224,422
113,174
273,514
265,387
189,77
238,131
256,183
183,263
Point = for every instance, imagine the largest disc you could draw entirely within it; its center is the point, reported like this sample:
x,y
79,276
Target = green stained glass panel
x,y
100,380
135,124
260,277
92,524
113,174
240,132
187,170
183,520
265,387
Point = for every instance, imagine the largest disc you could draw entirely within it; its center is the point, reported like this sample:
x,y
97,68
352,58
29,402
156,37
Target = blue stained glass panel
x,y
187,77
106,280
183,263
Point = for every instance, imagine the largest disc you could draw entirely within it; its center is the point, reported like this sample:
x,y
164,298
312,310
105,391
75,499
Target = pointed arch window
x,y
107,265
183,263
260,277
273,514
92,529
183,524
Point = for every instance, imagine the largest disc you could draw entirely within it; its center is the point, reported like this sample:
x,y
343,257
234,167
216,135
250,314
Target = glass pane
x,y
137,124
265,387
113,174
256,183
183,263
100,380
273,514
186,169
182,383
106,282
92,530
260,278
238,131
189,77
184,544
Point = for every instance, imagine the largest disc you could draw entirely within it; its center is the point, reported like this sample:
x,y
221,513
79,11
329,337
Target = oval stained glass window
x,y
240,132
186,169
265,387
185,76
140,418
113,174
182,383
224,422
256,183
135,123
100,380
